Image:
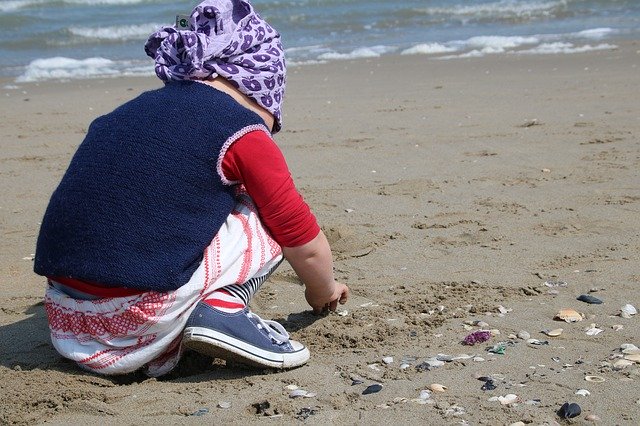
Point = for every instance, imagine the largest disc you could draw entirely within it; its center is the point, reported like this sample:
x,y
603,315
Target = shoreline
x,y
448,189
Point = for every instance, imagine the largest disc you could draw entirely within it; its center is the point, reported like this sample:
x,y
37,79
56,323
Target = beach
x,y
459,195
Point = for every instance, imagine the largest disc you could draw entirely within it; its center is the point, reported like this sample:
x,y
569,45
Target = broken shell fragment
x,y
524,335
633,357
569,315
594,379
593,330
592,418
553,333
622,363
583,392
617,327
437,387
508,399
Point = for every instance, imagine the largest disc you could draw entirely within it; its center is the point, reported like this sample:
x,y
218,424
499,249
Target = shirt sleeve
x,y
256,161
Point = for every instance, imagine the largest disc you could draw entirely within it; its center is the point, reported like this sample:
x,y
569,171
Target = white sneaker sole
x,y
223,346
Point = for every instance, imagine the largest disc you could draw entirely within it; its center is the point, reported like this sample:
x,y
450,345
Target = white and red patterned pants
x,y
122,334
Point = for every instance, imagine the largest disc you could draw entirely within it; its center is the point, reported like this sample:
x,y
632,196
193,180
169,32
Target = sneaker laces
x,y
274,329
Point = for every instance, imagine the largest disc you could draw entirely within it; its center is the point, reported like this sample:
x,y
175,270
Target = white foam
x,y
498,44
596,33
362,52
498,8
428,49
564,47
11,5
61,68
124,32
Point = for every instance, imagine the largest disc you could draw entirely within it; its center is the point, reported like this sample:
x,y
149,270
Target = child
x,y
178,205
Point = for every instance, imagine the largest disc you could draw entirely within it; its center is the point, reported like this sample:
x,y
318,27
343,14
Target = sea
x,y
81,39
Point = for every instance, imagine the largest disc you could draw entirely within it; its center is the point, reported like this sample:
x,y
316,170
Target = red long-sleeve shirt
x,y
256,161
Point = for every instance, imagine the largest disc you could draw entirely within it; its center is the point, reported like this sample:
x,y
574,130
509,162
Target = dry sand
x,y
448,188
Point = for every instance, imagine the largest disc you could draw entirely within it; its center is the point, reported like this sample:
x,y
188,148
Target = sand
x,y
449,189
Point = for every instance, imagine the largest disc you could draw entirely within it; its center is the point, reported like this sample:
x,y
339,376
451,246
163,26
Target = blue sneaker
x,y
243,337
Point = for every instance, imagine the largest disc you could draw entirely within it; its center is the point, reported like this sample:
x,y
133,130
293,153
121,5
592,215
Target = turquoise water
x,y
45,39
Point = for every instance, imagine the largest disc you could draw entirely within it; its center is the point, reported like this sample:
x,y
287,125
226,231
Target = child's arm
x,y
314,265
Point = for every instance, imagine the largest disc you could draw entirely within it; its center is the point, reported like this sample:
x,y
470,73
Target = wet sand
x,y
451,192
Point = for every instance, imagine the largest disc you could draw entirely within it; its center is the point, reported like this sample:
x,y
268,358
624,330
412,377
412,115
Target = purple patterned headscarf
x,y
226,38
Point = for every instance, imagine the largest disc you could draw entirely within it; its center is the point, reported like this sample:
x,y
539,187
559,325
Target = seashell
x,y
593,330
550,283
404,366
488,385
631,351
583,392
628,347
622,363
537,342
434,363
443,357
569,315
298,393
617,327
424,394
374,367
343,313
437,387
594,379
524,335
517,424
478,359
291,387
224,404
633,357
587,298
375,388
356,382
553,333
569,410
461,356
508,399
387,359
592,418
628,310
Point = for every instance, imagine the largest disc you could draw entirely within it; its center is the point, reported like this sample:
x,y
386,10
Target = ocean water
x,y
69,39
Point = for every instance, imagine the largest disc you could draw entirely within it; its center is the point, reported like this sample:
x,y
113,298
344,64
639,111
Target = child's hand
x,y
326,299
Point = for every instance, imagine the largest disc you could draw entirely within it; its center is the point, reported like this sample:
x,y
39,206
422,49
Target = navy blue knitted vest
x,y
142,197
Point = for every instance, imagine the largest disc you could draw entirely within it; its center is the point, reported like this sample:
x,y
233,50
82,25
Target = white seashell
x,y
424,394
594,379
461,356
404,366
478,359
628,347
224,404
508,399
517,424
524,335
592,418
553,333
387,359
493,398
291,387
593,331
343,313
633,357
437,387
481,324
622,363
628,309
617,327
298,393
434,363
583,392
374,367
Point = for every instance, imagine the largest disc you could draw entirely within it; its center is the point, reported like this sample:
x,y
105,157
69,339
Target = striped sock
x,y
235,297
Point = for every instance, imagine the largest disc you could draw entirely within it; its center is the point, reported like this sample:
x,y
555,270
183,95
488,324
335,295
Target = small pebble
x,y
586,298
375,388
569,410
592,418
524,335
